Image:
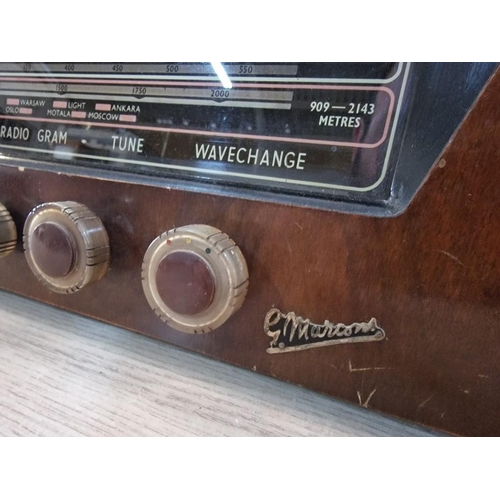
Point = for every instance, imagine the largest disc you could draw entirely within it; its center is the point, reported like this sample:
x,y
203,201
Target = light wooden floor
x,y
65,375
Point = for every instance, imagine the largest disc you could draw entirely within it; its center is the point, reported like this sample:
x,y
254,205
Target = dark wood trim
x,y
431,278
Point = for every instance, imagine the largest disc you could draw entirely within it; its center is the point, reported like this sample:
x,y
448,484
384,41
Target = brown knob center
x,y
53,250
185,283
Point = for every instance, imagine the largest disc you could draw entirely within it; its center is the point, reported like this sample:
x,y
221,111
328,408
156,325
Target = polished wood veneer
x,y
431,278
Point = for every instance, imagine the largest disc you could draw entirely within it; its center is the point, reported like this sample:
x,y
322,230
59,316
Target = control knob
x,y
66,246
8,233
194,278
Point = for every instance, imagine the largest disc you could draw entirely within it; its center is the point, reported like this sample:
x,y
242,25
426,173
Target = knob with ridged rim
x,y
194,278
8,233
66,246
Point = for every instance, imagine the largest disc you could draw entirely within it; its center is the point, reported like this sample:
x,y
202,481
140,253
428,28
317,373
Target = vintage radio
x,y
333,225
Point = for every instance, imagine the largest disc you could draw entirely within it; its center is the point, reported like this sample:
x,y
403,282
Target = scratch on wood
x,y
483,376
423,403
365,404
451,256
298,225
351,369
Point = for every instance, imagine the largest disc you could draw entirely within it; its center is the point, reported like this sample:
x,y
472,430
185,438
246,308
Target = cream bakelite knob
x,y
8,232
194,278
66,246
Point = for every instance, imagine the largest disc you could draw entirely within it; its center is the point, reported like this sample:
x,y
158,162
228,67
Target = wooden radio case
x,y
398,314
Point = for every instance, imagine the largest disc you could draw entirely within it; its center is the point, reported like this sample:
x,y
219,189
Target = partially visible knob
x,y
194,278
66,246
8,233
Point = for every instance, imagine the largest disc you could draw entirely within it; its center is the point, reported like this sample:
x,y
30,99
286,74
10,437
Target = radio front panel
x,y
302,220
302,133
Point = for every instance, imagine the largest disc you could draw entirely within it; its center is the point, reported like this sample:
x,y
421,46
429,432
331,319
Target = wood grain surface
x,y
65,375
430,277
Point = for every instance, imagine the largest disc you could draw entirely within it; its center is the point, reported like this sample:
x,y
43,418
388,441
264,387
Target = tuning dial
x,y
8,233
66,246
194,278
